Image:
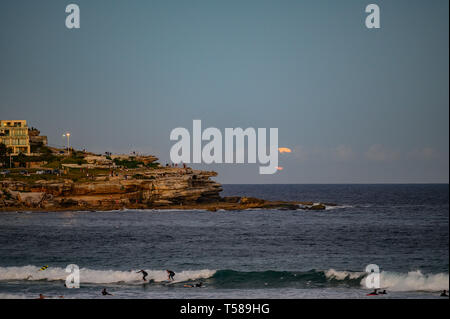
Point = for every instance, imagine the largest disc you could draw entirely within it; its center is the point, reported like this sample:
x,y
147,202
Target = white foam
x,y
414,281
411,281
342,275
338,207
98,276
11,296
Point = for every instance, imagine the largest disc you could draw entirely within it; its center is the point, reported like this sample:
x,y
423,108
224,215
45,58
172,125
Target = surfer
x,y
105,293
382,292
144,274
373,293
43,268
444,294
170,274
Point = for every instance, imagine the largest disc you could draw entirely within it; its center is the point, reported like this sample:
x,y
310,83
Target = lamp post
x,y
67,135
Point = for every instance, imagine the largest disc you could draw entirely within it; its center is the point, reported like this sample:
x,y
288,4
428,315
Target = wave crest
x,y
98,276
411,281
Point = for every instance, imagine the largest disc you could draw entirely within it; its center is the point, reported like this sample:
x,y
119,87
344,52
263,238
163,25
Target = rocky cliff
x,y
161,188
150,188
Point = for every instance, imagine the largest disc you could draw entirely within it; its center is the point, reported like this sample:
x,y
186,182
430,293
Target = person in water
x,y
105,293
444,293
170,274
382,292
144,274
197,285
375,292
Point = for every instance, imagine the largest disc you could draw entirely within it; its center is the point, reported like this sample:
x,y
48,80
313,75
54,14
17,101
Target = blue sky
x,y
355,105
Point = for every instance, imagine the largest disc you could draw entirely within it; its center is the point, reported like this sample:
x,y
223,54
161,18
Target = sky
x,y
355,105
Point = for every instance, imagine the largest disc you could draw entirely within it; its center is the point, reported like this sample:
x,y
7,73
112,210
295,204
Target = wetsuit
x,y
104,292
373,293
144,274
171,274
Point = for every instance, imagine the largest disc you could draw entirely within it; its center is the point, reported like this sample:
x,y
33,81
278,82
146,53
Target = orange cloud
x,y
284,150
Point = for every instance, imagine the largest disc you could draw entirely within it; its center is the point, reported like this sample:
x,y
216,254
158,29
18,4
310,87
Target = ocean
x,y
403,229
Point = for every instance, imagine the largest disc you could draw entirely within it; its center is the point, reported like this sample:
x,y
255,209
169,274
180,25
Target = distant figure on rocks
x,y
170,274
444,294
144,274
105,293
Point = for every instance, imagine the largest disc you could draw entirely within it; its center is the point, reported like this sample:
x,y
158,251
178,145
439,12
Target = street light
x,y
68,142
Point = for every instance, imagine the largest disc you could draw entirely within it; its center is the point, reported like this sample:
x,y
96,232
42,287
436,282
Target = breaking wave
x,y
98,276
411,281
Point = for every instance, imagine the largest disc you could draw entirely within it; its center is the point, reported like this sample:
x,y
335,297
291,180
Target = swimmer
x,y
105,293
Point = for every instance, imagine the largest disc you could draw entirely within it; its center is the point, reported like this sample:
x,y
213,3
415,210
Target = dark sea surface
x,y
404,229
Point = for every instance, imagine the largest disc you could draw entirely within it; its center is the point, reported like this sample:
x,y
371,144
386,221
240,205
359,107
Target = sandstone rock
x,y
231,199
162,202
251,200
13,194
317,207
10,202
31,199
330,204
306,203
68,202
288,207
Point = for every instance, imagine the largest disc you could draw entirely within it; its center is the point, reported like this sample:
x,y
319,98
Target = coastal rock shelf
x,y
151,188
162,188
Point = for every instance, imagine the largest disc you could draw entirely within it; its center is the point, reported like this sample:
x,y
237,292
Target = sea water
x,y
257,253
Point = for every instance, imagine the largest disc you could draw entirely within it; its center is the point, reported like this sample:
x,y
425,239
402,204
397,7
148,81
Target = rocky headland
x,y
53,179
155,188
